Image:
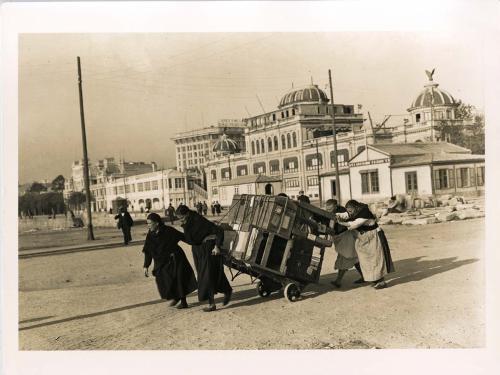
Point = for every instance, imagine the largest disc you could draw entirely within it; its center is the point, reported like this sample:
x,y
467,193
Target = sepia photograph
x,y
316,190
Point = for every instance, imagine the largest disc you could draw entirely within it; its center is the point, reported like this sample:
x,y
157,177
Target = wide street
x,y
101,300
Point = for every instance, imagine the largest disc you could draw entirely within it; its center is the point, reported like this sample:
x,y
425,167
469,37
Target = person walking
x,y
212,207
205,208
125,223
371,244
199,208
218,208
173,274
170,213
205,237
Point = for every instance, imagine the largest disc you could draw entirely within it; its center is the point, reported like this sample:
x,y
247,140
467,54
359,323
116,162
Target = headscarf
x,y
359,210
155,218
182,210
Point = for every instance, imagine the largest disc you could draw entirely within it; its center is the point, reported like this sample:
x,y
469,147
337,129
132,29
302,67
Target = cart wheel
x,y
261,289
292,292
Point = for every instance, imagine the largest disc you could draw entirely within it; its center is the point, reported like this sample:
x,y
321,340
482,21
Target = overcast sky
x,y
140,89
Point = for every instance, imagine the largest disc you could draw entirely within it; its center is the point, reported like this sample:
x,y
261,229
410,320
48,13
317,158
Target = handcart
x,y
276,240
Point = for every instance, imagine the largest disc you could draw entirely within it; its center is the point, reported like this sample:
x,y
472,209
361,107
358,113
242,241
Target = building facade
x,y
294,143
414,169
193,148
149,191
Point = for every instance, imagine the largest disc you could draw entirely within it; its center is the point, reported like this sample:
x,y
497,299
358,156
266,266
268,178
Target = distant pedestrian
x,y
212,208
205,208
170,213
199,208
303,198
173,274
125,223
218,208
371,244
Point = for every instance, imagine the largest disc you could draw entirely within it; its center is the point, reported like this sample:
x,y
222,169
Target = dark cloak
x,y
173,274
203,235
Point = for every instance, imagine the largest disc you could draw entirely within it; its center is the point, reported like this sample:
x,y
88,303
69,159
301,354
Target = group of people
x,y
173,273
360,243
358,240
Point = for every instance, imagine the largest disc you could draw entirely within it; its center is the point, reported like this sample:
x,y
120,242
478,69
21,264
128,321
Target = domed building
x,y
430,107
280,149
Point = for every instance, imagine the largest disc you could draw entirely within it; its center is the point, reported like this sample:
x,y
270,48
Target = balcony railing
x,y
274,172
291,170
313,167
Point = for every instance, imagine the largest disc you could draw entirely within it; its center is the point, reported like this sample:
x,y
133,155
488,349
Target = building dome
x,y
225,145
309,94
441,97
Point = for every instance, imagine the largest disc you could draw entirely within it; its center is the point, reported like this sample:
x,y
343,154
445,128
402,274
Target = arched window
x,y
283,142
293,111
269,144
262,146
294,139
258,146
288,141
253,148
275,143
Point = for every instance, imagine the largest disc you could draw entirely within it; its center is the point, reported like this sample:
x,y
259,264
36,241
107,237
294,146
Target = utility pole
x,y
90,232
335,159
317,171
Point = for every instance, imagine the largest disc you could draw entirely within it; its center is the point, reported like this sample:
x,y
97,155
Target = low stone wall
x,y
99,219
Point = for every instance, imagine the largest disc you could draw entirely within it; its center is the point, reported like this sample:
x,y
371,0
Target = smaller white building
x,y
418,169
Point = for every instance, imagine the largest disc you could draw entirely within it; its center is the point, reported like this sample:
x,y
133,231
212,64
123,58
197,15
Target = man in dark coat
x,y
125,223
205,238
218,208
170,213
303,198
173,274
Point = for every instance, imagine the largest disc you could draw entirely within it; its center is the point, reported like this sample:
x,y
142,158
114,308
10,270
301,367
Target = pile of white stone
x,y
446,208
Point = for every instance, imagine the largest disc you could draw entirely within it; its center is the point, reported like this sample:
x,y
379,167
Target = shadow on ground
x,y
408,270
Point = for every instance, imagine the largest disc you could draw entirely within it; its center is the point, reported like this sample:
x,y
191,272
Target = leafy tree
x,y
37,187
58,183
76,199
467,132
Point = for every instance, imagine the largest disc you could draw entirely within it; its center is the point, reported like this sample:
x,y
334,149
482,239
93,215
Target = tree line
x,y
39,201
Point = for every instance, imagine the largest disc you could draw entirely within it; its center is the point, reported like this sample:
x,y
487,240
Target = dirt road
x,y
101,300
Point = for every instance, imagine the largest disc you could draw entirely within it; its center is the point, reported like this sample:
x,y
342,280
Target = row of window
x,y
464,177
177,183
268,119
290,165
287,141
438,115
443,179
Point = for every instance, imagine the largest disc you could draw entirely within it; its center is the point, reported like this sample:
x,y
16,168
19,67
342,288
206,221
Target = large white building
x,y
294,143
154,190
193,148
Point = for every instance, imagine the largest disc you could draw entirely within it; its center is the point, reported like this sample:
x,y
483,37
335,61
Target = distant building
x,y
153,190
193,148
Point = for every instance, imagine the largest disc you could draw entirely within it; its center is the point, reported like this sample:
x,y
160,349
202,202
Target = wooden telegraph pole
x,y
335,159
90,232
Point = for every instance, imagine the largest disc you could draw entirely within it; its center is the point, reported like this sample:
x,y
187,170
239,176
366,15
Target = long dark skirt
x,y
210,269
176,279
387,252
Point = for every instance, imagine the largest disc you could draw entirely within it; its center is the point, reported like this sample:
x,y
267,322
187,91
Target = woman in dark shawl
x,y
371,244
173,274
205,238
